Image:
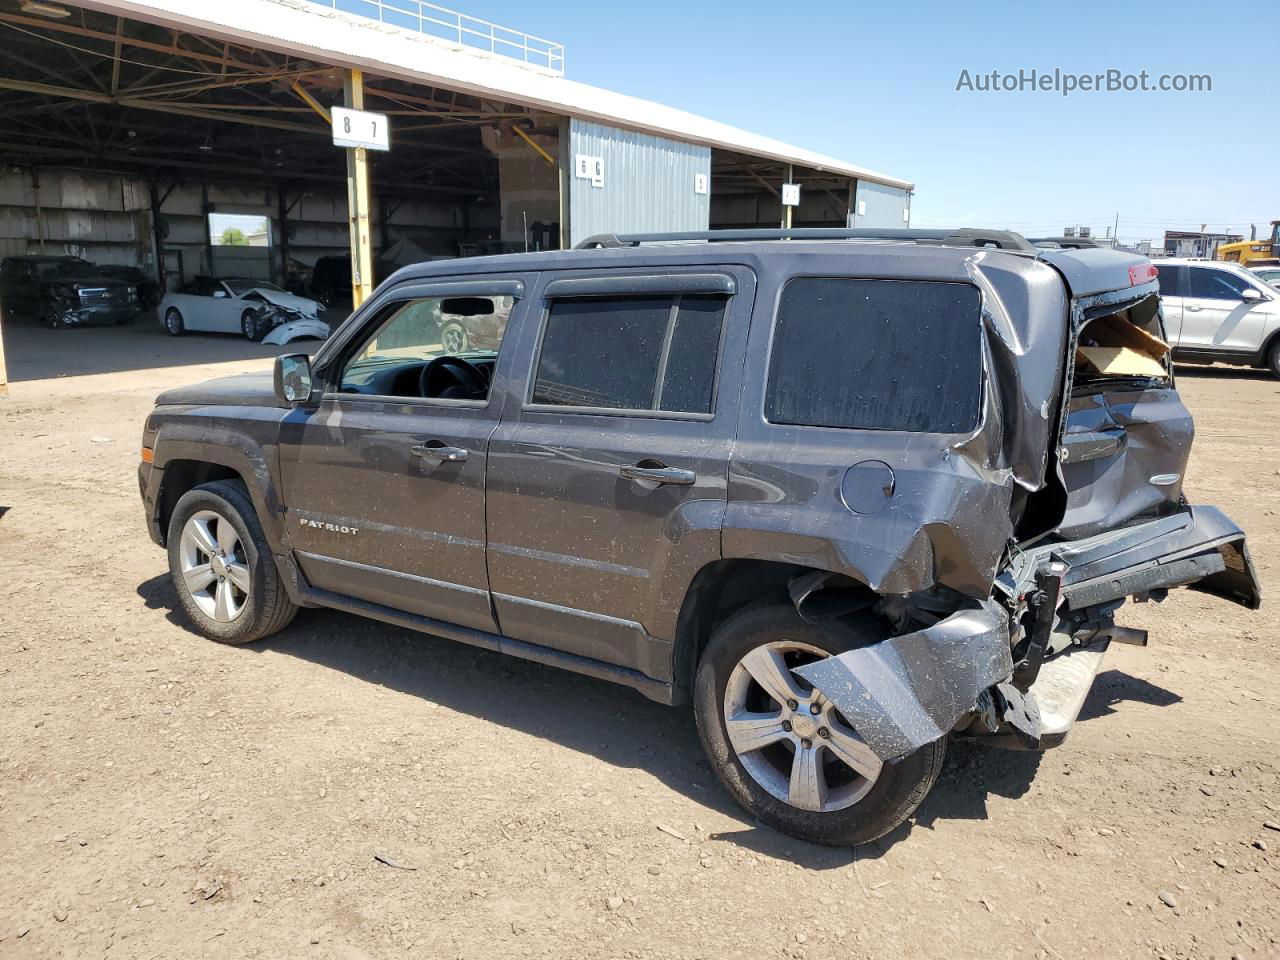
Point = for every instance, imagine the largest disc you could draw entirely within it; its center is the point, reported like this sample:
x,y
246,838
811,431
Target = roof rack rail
x,y
964,237
1063,243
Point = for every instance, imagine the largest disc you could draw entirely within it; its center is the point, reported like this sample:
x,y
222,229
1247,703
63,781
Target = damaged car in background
x,y
256,309
851,493
66,292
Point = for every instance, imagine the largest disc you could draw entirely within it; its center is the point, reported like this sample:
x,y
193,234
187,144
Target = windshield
x,y
241,287
59,268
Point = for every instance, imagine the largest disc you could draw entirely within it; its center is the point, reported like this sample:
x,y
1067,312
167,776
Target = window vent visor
x,y
644,284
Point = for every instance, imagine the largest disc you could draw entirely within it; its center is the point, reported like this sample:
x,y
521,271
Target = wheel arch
x,y
182,475
724,586
1264,354
189,454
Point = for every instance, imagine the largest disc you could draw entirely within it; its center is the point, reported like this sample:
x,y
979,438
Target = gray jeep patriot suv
x,y
850,492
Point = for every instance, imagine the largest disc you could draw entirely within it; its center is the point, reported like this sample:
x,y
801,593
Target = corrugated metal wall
x,y
649,183
876,205
106,218
97,216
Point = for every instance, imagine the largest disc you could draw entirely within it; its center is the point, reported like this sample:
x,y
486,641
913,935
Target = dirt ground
x,y
163,796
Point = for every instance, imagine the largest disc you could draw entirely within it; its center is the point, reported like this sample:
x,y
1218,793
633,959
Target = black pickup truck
x,y
851,493
67,292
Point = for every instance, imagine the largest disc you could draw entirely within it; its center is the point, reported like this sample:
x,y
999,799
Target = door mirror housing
x,y
1251,295
293,378
220,293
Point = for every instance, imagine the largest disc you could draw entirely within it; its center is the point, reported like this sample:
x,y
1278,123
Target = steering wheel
x,y
466,375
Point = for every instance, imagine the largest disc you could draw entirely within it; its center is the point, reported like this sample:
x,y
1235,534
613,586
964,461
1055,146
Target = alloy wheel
x,y
454,338
215,566
789,738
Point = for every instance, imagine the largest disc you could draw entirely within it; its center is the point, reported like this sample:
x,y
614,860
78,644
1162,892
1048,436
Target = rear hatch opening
x,y
1122,345
1127,435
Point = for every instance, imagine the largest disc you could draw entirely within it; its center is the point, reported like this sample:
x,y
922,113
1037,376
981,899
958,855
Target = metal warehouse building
x,y
127,123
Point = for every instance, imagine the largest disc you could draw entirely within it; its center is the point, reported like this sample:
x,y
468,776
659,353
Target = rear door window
x,y
1172,283
638,353
877,355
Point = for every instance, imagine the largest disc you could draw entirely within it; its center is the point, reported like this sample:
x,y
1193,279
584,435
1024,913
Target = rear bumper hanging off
x,y
907,691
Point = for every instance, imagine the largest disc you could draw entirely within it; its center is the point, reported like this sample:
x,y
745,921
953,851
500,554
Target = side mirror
x,y
293,378
1251,295
220,293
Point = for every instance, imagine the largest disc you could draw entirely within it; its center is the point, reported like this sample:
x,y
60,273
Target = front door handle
x,y
440,452
1193,308
656,471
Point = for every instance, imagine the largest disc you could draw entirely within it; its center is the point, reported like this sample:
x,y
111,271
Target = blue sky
x,y
874,84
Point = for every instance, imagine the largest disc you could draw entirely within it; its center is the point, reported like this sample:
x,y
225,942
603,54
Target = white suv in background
x,y
1216,311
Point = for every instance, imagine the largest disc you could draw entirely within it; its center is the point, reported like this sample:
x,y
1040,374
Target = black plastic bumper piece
x,y
1199,548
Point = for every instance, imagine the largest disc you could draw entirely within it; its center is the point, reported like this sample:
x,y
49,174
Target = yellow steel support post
x,y
4,372
786,210
358,200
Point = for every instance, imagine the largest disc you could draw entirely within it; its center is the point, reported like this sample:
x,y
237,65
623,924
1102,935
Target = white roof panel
x,y
304,28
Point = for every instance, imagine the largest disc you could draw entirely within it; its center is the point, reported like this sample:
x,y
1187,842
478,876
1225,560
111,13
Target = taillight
x,y
1142,274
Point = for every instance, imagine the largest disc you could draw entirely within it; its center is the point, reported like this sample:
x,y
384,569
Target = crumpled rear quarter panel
x,y
946,517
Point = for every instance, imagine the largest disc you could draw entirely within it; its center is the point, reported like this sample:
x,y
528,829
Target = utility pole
x,y
4,373
1115,232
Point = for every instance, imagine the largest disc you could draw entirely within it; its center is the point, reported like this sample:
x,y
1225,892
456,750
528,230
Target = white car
x,y
258,309
1269,273
1217,311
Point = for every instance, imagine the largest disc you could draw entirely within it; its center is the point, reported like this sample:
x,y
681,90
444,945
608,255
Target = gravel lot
x,y
162,796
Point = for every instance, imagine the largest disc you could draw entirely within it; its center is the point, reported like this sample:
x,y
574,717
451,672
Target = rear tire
x,y
216,550
852,806
1273,357
173,322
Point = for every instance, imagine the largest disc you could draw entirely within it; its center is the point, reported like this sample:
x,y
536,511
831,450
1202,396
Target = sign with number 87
x,y
360,128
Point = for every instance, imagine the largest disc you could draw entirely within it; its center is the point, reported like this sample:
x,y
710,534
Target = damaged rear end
x,y
1096,516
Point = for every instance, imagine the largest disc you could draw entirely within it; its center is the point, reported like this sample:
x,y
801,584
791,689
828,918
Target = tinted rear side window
x,y
631,353
877,355
1171,283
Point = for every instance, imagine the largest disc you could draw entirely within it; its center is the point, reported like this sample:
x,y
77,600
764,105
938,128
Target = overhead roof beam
x,y
139,103
172,50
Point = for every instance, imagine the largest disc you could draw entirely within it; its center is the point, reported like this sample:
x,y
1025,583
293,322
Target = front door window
x,y
433,348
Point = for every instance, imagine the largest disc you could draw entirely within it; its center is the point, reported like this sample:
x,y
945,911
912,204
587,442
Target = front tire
x,y
783,751
250,326
222,568
1273,357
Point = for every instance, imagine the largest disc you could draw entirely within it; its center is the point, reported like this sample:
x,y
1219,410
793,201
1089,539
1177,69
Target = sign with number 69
x,y
359,128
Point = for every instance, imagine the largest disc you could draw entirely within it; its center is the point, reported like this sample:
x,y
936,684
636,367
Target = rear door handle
x,y
1192,307
440,452
656,471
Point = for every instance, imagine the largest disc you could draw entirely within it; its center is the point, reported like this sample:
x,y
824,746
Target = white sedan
x,y
258,309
